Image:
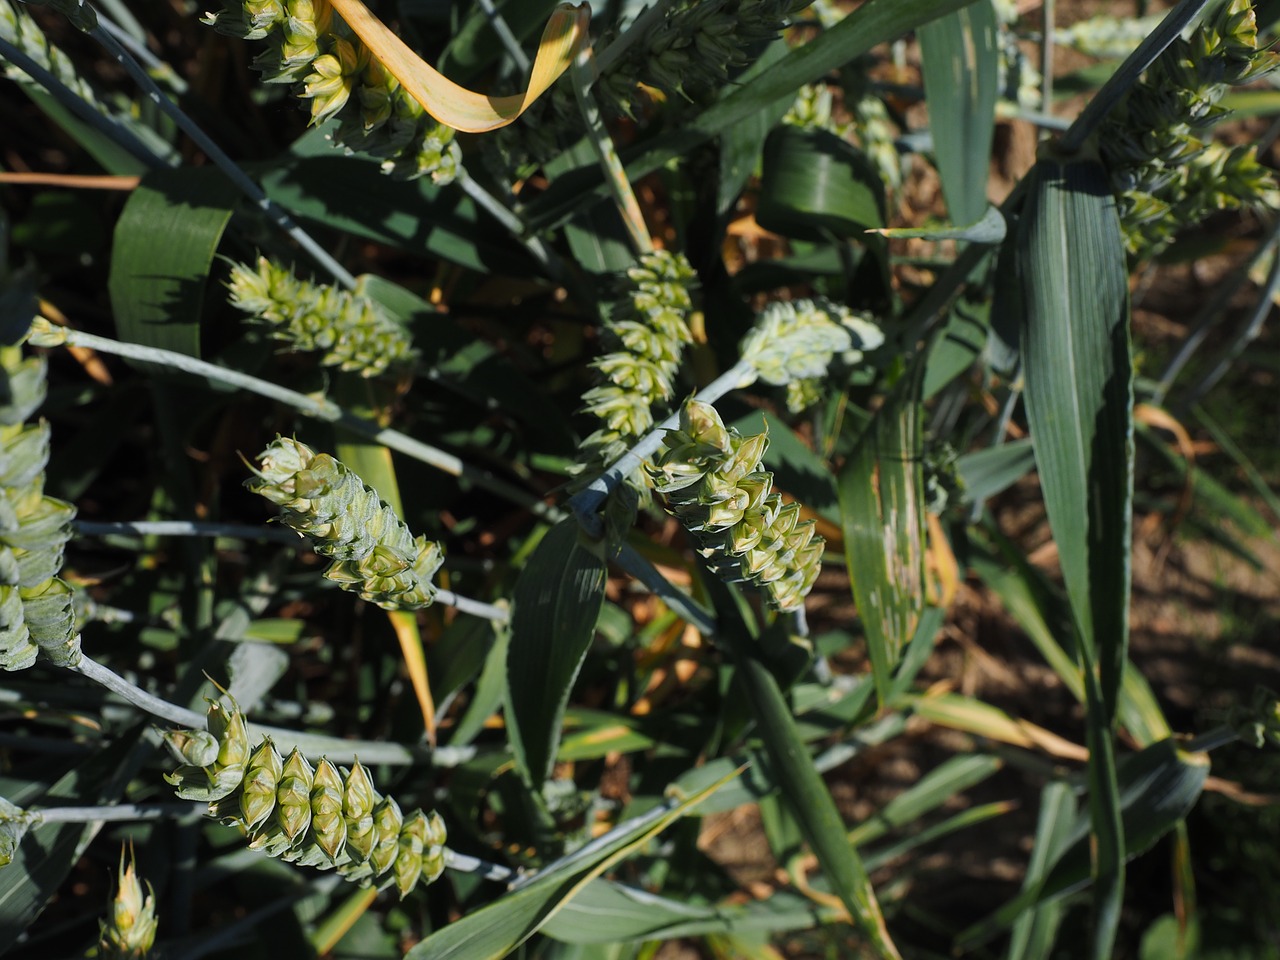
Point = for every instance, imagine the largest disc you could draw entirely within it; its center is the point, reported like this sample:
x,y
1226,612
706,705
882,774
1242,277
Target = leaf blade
x,y
556,604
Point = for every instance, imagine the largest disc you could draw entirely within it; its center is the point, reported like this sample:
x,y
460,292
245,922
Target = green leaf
x,y
1157,789
1079,396
113,157
47,853
808,798
164,244
493,931
990,229
882,514
816,184
556,603
606,912
987,472
960,63
958,346
741,144
933,790
475,45
1079,403
353,195
1034,932
1043,615
489,690
867,27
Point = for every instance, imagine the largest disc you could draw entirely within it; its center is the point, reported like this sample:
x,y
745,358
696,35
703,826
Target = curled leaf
x,y
454,105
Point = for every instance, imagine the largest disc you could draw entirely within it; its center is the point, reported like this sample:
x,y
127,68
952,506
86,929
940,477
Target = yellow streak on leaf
x,y
455,105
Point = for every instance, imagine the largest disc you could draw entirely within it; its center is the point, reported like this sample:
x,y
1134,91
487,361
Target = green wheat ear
x,y
374,553
344,326
36,615
713,481
321,816
649,330
794,343
690,51
1165,170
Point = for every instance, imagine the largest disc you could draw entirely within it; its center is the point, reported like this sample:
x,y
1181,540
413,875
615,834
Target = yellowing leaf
x,y
454,105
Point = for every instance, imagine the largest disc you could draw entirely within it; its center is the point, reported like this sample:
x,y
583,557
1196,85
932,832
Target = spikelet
x,y
211,779
36,613
650,329
713,481
14,824
322,816
334,71
130,931
793,342
373,552
1164,169
344,326
693,49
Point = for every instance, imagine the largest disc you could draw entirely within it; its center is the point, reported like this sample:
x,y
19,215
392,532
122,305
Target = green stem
x,y
638,29
119,811
584,74
313,745
508,218
47,335
186,528
504,33
586,503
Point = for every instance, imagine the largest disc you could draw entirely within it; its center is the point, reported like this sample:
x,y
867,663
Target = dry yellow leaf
x,y
455,105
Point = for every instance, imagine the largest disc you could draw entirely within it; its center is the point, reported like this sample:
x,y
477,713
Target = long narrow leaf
x,y
454,105
493,931
557,601
882,513
160,258
961,64
870,25
1079,401
810,802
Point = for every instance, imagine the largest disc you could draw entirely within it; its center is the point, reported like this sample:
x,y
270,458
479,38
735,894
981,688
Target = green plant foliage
x,y
739,540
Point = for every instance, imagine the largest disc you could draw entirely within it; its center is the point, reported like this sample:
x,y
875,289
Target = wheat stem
x,y
504,33
586,503
316,407
584,74
313,745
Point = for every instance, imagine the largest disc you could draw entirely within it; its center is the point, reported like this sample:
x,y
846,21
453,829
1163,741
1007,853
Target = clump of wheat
x,y
794,342
374,553
129,932
649,330
36,614
1164,168
713,480
310,47
321,816
345,326
691,49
